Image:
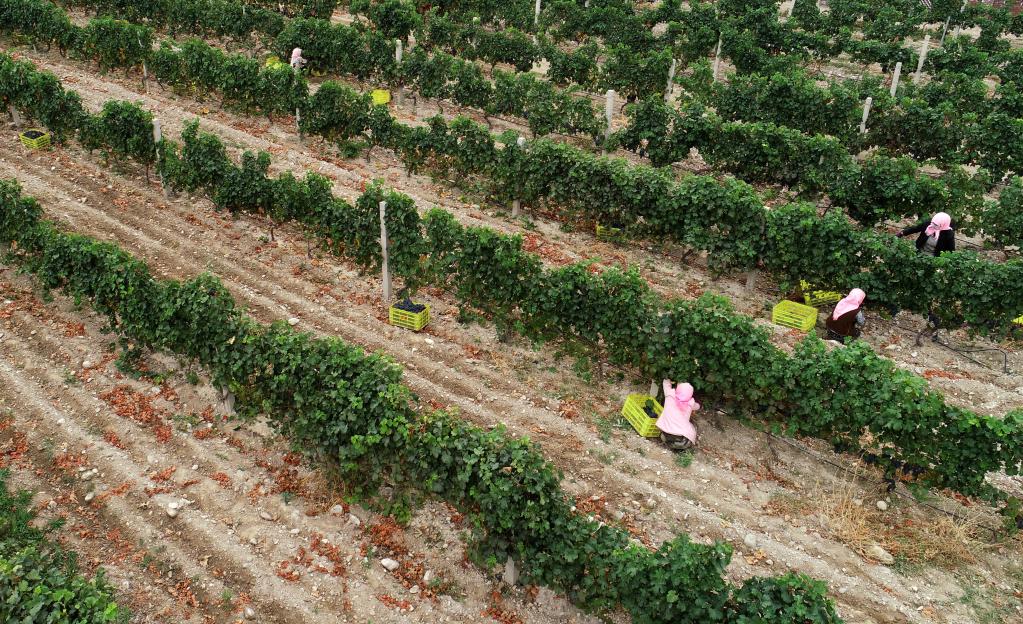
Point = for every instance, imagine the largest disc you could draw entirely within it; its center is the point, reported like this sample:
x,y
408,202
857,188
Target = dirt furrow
x,y
719,491
218,541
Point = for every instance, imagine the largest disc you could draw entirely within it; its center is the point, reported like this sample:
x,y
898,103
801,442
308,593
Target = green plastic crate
x,y
818,298
634,413
408,320
794,315
40,142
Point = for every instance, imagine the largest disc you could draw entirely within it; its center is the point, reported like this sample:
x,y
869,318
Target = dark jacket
x,y
844,325
946,239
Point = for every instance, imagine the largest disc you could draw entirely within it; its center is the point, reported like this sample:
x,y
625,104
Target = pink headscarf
x,y
939,223
679,405
852,301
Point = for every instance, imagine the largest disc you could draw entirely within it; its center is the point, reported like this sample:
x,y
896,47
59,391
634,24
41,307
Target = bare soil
x,y
785,505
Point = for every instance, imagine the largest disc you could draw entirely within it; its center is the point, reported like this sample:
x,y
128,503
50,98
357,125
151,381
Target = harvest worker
x,y
677,432
936,236
847,319
297,62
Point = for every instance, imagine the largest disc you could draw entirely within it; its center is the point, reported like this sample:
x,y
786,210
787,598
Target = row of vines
x,y
724,218
831,394
350,409
921,123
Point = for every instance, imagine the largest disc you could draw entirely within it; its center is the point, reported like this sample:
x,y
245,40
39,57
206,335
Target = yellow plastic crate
x,y
794,315
380,96
818,298
409,320
634,413
612,234
1018,321
41,141
273,61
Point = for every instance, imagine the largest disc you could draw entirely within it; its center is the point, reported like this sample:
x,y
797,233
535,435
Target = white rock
x,y
337,510
172,511
389,564
428,576
295,531
293,321
264,515
882,555
414,589
250,613
90,496
750,540
882,506
354,520
87,364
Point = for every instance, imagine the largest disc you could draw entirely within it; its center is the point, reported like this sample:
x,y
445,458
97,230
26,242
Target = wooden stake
x,y
866,114
923,57
717,59
15,115
157,137
670,87
517,203
609,109
383,248
653,389
895,78
536,14
398,49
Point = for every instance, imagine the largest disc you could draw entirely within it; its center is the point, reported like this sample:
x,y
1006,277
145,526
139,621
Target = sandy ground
x,y
783,504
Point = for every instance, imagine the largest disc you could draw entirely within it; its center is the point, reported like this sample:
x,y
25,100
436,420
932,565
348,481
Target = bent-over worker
x,y
847,319
677,432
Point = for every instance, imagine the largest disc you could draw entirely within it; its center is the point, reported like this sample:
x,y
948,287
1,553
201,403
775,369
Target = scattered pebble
x,y
750,540
264,515
250,613
293,321
882,506
354,520
172,510
389,564
90,496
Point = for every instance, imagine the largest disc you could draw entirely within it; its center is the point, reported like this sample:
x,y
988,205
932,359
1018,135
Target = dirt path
x,y
737,488
948,372
236,541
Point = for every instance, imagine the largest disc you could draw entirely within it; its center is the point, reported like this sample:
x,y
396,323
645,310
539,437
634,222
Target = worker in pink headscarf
x,y
847,318
297,62
677,432
935,236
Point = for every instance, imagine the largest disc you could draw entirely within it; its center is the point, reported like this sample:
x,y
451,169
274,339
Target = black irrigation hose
x,y
889,483
963,351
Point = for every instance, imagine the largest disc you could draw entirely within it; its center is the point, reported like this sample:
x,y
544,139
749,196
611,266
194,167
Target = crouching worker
x,y
297,62
677,432
847,319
